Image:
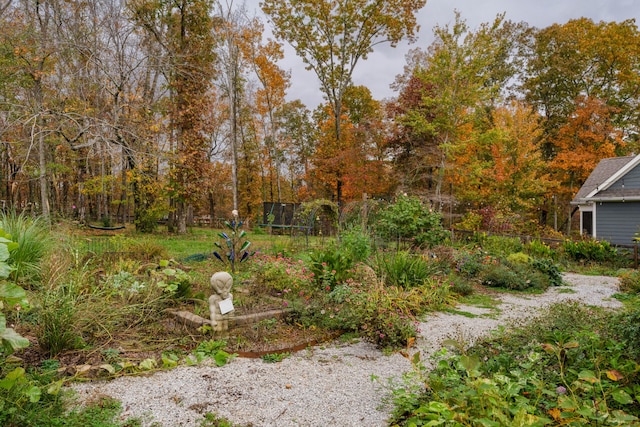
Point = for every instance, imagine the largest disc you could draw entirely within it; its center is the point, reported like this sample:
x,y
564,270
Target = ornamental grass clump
x,y
57,316
33,241
405,269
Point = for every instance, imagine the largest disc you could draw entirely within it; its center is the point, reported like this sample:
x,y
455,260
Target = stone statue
x,y
221,283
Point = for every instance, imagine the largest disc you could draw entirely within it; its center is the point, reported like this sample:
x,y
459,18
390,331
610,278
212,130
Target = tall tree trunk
x,y
42,177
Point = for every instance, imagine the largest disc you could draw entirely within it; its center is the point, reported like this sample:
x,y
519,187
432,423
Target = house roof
x,y
605,174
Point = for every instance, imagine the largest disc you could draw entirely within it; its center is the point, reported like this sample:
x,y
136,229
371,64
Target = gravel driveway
x,y
337,385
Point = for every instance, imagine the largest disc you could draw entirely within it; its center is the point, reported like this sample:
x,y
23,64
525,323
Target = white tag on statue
x,y
226,306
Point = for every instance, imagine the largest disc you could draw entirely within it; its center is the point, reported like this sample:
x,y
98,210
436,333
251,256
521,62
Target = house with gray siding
x,y
609,200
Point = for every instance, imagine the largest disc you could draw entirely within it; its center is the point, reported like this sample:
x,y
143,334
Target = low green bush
x,y
513,276
356,244
538,249
626,326
630,281
405,269
460,285
281,273
57,320
330,267
470,264
501,246
550,269
589,250
518,258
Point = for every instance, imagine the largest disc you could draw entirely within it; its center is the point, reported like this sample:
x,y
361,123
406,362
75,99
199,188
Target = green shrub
x,y
538,249
409,218
518,277
330,267
460,285
281,273
384,315
404,269
501,276
626,326
356,244
501,246
469,265
550,269
630,282
518,258
589,250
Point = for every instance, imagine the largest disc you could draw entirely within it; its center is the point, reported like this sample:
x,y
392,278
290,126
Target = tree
x,y
588,136
368,168
184,28
270,97
37,55
463,77
297,136
332,36
584,59
416,156
501,166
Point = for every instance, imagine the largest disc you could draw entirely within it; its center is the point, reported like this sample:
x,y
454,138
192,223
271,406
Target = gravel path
x,y
331,385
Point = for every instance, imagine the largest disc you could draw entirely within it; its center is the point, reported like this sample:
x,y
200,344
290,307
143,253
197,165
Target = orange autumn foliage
x,y
586,138
501,166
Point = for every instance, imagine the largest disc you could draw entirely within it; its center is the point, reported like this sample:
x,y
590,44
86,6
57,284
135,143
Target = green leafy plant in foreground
x,y
173,280
11,295
19,393
555,371
214,350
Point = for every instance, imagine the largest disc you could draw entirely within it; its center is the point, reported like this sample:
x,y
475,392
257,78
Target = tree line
x,y
138,110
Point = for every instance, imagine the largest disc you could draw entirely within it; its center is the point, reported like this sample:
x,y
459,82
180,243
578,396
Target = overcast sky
x,y
382,66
